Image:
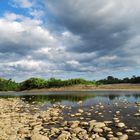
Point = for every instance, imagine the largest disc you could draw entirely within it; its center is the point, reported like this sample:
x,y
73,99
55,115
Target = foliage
x,y
52,82
32,83
113,80
8,85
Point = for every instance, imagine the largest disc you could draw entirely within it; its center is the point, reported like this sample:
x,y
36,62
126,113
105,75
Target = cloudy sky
x,y
69,38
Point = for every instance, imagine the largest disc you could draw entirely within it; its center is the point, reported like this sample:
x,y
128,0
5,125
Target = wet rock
x,y
80,110
79,102
136,133
117,112
129,130
137,114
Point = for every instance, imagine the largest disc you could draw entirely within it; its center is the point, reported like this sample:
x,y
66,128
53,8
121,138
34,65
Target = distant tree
x,y
33,83
8,85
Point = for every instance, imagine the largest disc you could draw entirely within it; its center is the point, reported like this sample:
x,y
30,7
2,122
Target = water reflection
x,y
72,97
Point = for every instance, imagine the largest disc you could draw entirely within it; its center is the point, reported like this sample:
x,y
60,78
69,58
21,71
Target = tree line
x,y
32,83
113,80
52,83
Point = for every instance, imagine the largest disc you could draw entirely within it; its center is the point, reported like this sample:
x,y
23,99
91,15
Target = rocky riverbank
x,y
23,121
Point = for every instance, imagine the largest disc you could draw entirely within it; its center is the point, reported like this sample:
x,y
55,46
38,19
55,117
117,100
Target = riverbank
x,y
109,87
23,121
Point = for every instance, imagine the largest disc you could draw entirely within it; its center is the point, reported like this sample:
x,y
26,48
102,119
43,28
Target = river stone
x,y
83,135
93,124
98,130
107,122
84,123
100,124
94,136
107,129
77,130
110,135
64,136
74,124
39,137
100,138
129,130
74,138
120,125
137,114
80,110
55,130
114,138
123,137
136,133
119,133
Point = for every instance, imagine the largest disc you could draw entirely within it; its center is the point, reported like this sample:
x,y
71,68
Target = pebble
x,y
123,137
120,125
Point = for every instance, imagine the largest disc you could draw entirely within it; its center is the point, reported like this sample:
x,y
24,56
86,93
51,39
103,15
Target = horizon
x,y
71,78
69,39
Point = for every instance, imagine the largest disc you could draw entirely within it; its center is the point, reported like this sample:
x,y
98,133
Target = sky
x,y
69,39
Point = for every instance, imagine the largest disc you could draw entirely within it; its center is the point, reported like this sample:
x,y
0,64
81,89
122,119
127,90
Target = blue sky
x,y
5,6
69,39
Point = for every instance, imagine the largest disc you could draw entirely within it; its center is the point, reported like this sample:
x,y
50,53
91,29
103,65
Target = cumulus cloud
x,y
21,34
108,28
29,48
91,37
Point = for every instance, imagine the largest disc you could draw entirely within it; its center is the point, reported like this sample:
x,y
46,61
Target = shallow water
x,y
113,101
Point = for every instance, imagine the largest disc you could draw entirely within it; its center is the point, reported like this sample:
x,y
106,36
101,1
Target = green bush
x,y
33,83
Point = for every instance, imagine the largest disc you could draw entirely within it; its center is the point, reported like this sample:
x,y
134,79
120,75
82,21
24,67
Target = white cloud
x,y
20,31
89,37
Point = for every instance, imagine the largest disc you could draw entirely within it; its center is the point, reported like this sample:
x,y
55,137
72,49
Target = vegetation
x,y
113,80
8,85
51,83
33,83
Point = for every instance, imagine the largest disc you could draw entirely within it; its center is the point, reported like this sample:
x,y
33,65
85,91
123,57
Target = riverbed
x,y
76,115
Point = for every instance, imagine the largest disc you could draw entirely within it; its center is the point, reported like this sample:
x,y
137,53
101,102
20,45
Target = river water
x,y
112,101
